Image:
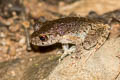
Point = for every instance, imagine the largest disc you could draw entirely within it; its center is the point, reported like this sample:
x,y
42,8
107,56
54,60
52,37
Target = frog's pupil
x,y
42,38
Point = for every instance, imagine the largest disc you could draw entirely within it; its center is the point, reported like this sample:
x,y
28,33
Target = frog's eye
x,y
43,37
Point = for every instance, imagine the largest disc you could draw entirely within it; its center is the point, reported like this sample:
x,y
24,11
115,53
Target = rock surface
x,y
102,65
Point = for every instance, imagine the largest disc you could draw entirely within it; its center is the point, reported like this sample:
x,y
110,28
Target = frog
x,y
81,32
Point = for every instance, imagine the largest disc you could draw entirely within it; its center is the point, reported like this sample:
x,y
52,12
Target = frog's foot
x,y
67,51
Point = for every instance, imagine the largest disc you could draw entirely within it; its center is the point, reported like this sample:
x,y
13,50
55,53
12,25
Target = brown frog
x,y
83,33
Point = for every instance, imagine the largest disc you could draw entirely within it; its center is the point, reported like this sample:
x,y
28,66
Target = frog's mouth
x,y
45,44
37,42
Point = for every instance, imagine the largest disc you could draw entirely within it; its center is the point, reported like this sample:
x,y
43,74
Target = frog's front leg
x,y
67,50
69,43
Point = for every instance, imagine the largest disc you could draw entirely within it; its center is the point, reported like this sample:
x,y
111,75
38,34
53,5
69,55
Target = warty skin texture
x,y
81,31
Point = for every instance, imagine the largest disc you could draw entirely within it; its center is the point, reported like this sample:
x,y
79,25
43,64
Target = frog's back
x,y
66,25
